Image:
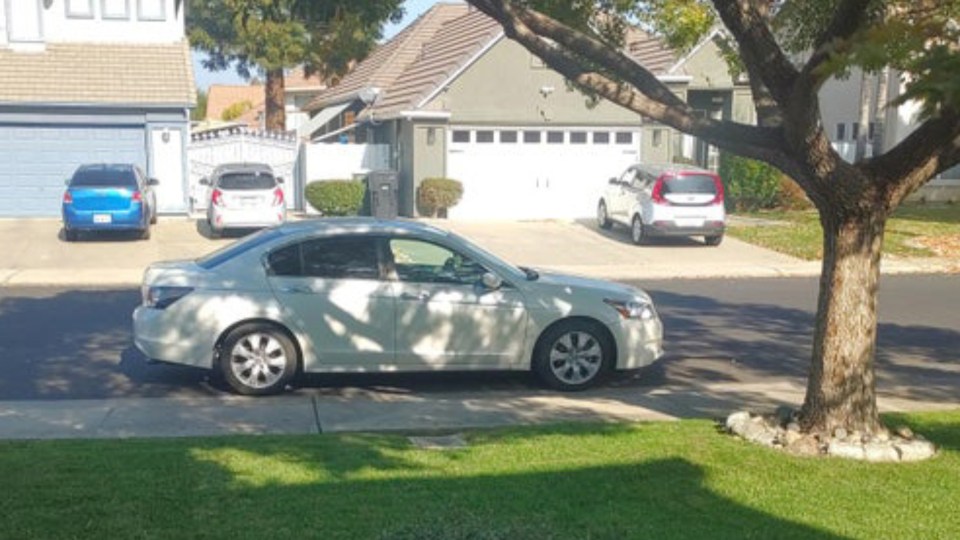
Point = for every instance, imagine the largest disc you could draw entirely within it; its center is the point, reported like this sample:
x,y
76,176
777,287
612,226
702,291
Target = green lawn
x,y
616,481
800,234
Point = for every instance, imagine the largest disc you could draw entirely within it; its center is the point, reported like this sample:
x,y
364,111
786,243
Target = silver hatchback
x,y
244,195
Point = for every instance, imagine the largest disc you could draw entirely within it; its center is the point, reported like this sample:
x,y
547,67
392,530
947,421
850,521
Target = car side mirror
x,y
279,180
153,182
491,281
204,181
613,181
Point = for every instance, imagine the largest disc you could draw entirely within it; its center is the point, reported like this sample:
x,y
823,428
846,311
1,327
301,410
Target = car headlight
x,y
161,297
632,309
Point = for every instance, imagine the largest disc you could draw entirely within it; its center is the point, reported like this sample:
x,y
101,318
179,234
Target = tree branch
x,y
850,17
643,92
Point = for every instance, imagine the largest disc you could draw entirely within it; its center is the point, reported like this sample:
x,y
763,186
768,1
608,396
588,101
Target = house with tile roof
x,y
298,90
91,81
453,97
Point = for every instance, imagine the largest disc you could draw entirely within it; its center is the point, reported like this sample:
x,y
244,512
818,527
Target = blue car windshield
x,y
224,254
104,177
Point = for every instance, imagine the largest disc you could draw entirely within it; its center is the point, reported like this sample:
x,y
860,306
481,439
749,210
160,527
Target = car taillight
x,y
137,196
718,184
277,197
217,197
67,198
657,194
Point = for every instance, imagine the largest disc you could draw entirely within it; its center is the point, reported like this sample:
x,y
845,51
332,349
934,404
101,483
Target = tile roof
x,y
296,81
222,96
99,74
440,43
388,61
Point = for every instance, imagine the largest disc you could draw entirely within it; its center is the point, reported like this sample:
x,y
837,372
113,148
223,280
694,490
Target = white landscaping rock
x,y
880,452
737,421
916,450
845,450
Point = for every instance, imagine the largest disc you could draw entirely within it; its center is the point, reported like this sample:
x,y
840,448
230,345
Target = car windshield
x,y
247,181
490,256
104,177
691,183
224,254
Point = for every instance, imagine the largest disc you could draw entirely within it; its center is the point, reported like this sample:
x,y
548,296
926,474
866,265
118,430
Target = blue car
x,y
109,197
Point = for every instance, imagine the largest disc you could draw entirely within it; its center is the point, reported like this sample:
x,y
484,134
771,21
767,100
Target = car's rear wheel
x,y
573,355
145,233
603,219
638,231
70,235
153,218
713,240
258,359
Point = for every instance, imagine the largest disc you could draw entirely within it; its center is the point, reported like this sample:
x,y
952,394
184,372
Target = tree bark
x,y
841,386
276,119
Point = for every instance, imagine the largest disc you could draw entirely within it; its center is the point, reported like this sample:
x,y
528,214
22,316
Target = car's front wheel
x,y
258,359
603,219
573,355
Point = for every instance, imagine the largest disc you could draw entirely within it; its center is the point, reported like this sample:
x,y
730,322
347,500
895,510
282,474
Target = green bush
x,y
436,195
336,197
749,184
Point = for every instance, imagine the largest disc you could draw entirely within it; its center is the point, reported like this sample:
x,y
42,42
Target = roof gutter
x,y
675,78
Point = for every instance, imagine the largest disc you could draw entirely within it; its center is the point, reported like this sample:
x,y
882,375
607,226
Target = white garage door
x,y
535,173
35,161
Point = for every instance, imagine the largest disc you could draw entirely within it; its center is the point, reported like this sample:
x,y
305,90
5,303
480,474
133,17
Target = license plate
x,y
690,222
102,218
249,201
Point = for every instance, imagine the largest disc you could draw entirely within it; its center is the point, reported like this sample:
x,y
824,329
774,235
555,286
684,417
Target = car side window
x,y
417,261
637,181
330,258
627,176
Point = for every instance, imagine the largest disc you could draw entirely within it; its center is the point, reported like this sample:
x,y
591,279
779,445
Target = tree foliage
x,y
268,36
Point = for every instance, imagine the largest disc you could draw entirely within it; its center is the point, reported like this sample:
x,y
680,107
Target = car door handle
x,y
296,290
419,297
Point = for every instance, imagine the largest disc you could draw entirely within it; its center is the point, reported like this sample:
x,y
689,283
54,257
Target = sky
x,y
204,78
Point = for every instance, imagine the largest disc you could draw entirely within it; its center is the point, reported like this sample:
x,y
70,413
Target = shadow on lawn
x,y
357,487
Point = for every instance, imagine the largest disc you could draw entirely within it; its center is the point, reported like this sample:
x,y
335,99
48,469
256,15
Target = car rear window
x,y
104,177
691,183
247,181
240,247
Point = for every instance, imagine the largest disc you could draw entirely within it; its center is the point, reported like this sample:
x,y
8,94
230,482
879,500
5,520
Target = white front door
x,y
166,145
536,173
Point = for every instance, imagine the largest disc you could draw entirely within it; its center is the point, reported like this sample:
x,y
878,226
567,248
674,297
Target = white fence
x,y
335,161
207,150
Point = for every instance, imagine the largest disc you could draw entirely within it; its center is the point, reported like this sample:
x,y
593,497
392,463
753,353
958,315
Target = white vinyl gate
x,y
536,173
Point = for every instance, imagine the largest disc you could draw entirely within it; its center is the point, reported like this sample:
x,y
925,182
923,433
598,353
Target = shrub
x,y
749,184
791,197
336,197
436,195
236,110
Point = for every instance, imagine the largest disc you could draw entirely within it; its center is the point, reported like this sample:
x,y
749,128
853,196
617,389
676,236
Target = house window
x,y
461,136
555,137
855,130
873,130
841,131
531,136
151,10
115,9
624,137
578,137
508,136
485,136
79,9
601,137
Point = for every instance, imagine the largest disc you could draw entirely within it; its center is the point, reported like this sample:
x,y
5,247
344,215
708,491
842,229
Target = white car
x,y
244,195
665,200
365,295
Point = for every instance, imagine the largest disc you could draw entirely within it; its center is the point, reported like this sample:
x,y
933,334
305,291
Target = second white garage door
x,y
535,173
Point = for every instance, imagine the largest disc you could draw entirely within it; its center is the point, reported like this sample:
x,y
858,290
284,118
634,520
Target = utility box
x,y
382,191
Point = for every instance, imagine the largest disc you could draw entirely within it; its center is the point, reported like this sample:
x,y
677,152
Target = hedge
x,y
336,197
436,195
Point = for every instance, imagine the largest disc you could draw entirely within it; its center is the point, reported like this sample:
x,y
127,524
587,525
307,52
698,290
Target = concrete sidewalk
x,y
370,411
35,254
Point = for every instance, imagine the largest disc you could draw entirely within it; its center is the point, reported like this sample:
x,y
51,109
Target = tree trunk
x,y
840,389
275,114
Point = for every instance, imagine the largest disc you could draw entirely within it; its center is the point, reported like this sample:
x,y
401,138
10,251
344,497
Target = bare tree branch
x,y
850,17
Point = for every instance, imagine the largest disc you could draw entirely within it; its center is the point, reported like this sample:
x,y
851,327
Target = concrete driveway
x,y
35,252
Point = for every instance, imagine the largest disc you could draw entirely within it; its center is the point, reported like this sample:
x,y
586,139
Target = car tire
x,y
603,219
214,233
713,240
145,233
638,231
258,359
573,355
153,218
70,235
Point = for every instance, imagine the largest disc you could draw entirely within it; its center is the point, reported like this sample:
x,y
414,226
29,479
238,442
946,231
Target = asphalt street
x,y
75,343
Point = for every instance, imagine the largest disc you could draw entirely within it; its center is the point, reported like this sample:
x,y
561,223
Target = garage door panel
x,y
35,161
535,180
